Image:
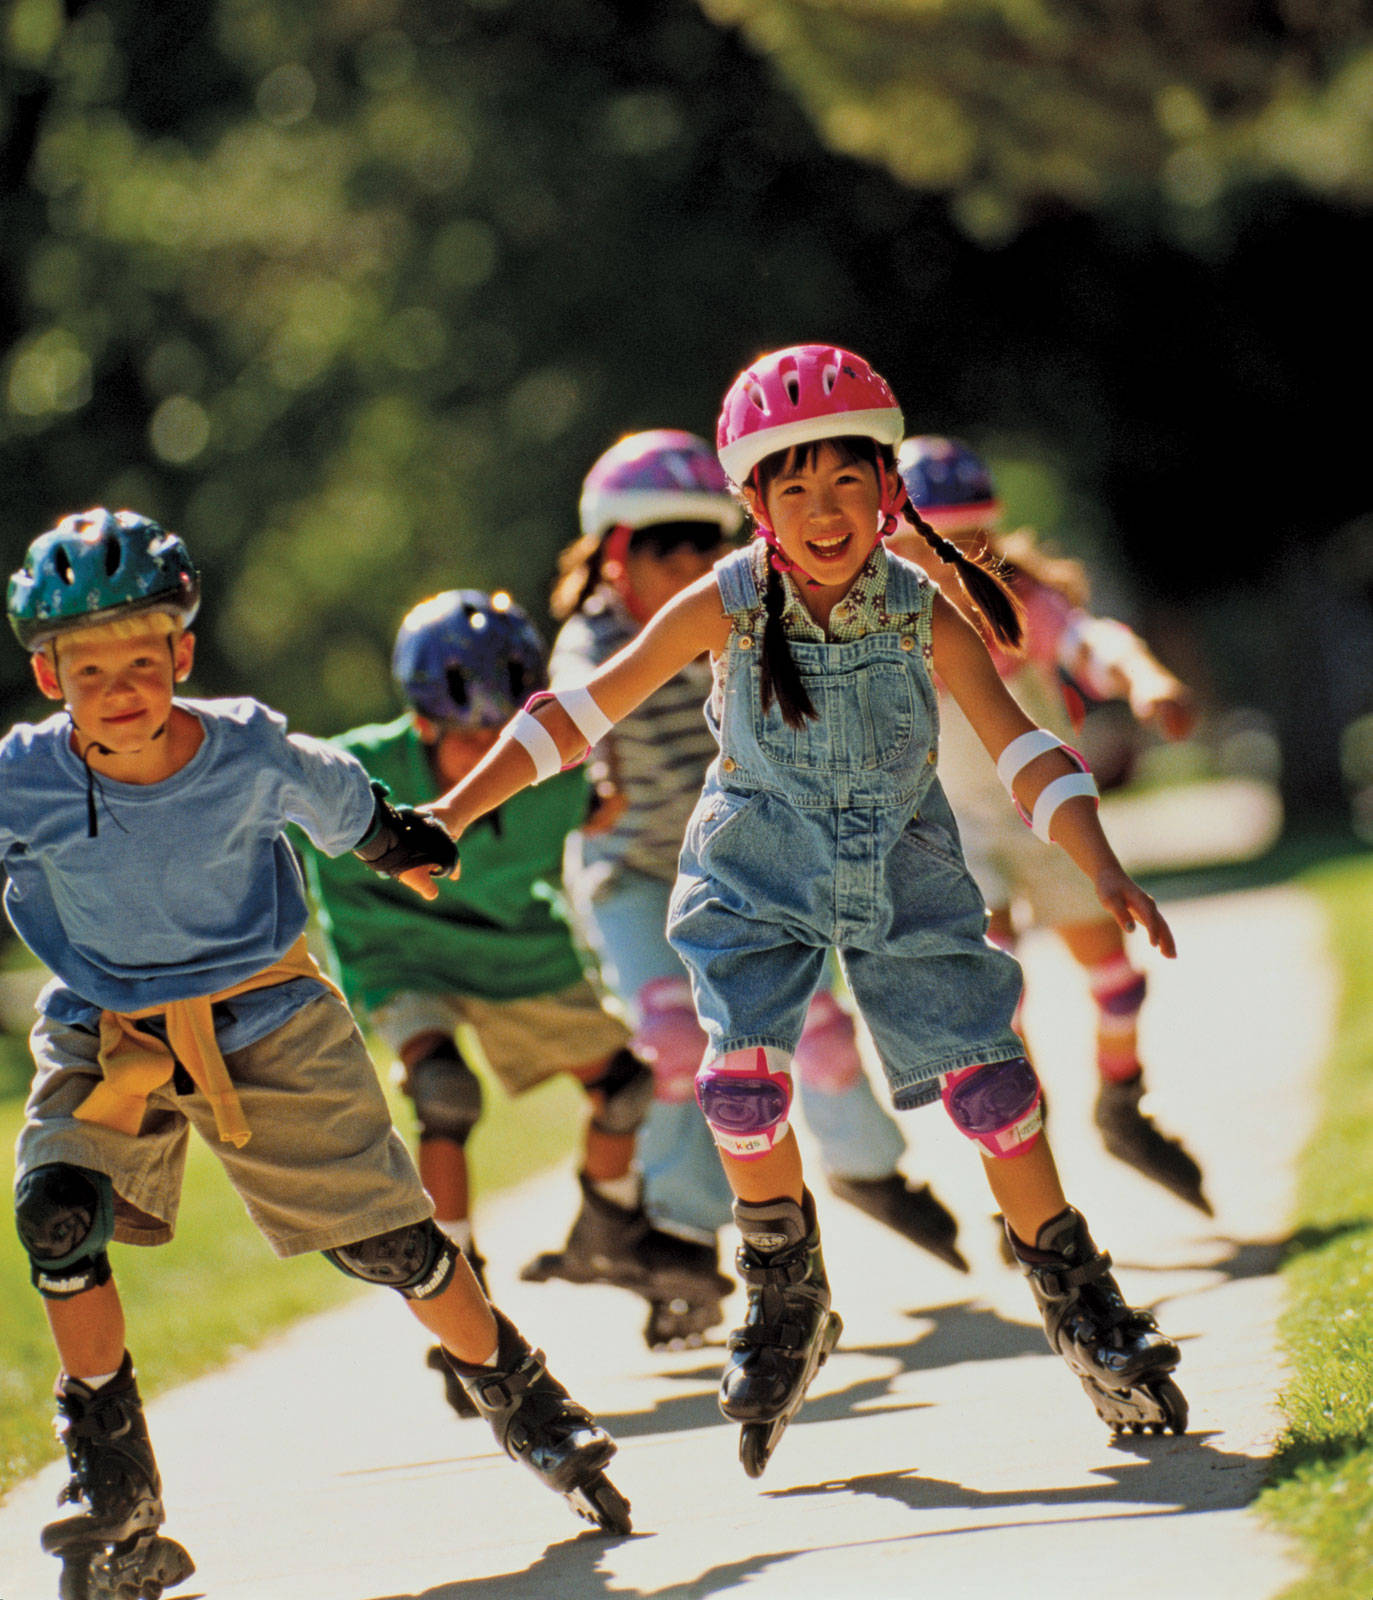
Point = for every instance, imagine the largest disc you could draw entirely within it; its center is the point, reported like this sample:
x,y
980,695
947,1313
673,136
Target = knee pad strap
x,y
418,1260
626,1092
65,1217
447,1094
746,1098
999,1104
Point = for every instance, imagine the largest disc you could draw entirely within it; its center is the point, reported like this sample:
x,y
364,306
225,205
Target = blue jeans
x,y
623,918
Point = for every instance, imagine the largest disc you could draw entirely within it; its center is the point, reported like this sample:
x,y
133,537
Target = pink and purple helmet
x,y
797,396
663,475
948,484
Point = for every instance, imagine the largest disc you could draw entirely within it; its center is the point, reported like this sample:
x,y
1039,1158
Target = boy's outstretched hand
x,y
1132,907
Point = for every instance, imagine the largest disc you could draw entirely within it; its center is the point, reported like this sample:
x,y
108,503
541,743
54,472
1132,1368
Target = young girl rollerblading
x,y
143,840
655,513
822,826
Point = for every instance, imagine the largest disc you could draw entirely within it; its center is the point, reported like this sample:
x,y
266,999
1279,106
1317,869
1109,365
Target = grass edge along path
x,y
1320,1483
216,1289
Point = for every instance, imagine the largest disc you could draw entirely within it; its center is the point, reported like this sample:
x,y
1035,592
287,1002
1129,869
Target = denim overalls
x,y
838,835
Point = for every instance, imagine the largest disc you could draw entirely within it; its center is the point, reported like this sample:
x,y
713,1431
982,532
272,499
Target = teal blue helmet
x,y
97,566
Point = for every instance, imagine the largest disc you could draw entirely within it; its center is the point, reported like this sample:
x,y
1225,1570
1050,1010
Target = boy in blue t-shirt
x,y
142,837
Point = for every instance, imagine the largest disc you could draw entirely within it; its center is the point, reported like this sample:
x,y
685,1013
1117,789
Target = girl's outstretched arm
x,y
687,626
961,660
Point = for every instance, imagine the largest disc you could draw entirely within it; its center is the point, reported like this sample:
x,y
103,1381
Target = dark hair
x,y
579,566
777,671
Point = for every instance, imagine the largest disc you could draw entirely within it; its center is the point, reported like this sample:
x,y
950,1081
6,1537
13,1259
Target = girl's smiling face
x,y
824,507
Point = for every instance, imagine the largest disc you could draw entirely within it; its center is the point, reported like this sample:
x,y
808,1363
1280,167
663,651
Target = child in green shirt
x,y
492,954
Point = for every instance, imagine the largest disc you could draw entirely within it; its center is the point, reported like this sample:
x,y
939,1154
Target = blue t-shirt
x,y
190,885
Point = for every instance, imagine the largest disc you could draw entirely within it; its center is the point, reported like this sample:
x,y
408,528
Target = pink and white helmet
x,y
663,475
798,395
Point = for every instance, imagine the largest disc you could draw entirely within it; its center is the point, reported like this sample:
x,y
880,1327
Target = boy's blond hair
x,y
150,621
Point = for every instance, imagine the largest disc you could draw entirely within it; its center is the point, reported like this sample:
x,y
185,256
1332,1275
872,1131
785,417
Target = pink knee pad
x,y
999,1104
746,1096
670,1038
827,1057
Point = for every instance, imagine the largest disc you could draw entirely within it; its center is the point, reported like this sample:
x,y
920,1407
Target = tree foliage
x,y
1014,104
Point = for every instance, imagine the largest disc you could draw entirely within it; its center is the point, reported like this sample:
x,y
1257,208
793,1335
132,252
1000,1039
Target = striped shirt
x,y
657,755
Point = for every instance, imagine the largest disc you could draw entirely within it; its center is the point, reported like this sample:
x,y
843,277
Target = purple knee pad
x,y
746,1095
827,1057
669,1037
998,1104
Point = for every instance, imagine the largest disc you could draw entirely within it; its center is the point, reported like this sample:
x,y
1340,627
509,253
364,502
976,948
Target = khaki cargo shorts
x,y
323,1168
524,1042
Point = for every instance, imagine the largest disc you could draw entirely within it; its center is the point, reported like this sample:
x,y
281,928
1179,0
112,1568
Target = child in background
x,y
655,513
1070,655
143,840
492,954
822,826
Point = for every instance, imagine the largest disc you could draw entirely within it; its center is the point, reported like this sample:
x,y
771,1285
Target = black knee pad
x,y
65,1217
447,1094
626,1088
417,1260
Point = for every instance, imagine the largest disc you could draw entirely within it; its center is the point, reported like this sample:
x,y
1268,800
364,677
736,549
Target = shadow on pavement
x,y
960,1332
1175,1474
1166,1476
570,1572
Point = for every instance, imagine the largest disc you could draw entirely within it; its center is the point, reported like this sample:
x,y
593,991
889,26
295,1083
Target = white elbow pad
x,y
539,744
587,717
1017,756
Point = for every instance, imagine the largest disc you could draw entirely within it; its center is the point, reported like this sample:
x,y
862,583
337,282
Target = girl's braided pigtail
x,y
986,589
777,673
579,573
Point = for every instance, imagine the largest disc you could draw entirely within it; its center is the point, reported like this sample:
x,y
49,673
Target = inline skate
x,y
1118,1354
618,1245
536,1422
111,1549
1131,1137
789,1329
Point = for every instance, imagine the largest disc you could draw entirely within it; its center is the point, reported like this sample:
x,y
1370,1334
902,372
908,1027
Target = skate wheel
x,y
756,1444
141,1570
601,1503
1174,1405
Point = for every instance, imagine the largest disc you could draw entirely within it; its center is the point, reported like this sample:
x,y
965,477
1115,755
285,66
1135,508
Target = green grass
x,y
216,1289
1320,1487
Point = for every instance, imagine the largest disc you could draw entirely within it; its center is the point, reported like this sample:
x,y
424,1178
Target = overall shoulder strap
x,y
734,575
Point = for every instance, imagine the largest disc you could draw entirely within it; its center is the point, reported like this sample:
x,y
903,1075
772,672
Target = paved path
x,y
944,1453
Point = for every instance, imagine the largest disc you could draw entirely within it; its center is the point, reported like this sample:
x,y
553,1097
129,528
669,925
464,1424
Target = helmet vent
x,y
456,680
754,391
63,563
793,389
829,376
519,681
113,556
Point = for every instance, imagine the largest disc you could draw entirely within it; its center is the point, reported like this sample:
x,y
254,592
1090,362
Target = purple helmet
x,y
468,659
949,485
663,475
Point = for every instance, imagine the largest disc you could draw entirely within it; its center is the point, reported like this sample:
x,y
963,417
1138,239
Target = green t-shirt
x,y
497,933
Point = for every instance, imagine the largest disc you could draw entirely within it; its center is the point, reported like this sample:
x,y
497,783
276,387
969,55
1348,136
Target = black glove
x,y
401,838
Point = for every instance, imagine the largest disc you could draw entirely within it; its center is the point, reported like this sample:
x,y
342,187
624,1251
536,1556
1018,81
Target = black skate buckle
x,y
506,1387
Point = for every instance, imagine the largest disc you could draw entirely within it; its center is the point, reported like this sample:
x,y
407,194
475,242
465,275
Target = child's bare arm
x,y
686,626
961,659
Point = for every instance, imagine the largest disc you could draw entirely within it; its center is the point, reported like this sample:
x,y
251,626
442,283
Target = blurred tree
x,y
350,292
1012,105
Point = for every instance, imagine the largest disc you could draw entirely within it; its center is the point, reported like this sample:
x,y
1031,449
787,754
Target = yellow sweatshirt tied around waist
x,y
134,1063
